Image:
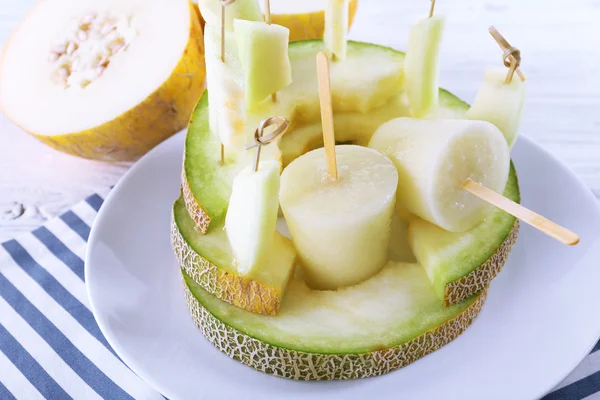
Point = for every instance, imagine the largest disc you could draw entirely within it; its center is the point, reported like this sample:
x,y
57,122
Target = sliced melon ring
x,y
325,336
115,117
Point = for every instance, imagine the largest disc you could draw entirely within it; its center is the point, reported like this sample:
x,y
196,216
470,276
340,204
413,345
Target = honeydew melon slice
x,y
252,215
460,264
115,117
500,103
305,19
263,52
369,329
207,184
422,65
336,28
209,260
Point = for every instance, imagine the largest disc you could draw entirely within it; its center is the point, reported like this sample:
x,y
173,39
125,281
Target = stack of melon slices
x,y
267,317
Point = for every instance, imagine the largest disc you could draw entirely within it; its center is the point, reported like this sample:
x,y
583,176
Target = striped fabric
x,y
51,346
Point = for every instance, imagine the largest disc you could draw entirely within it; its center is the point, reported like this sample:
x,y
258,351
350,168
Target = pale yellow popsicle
x,y
434,157
341,228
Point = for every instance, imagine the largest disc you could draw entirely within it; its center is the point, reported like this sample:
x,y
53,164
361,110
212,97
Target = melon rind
x,y
476,281
163,113
235,289
197,213
299,365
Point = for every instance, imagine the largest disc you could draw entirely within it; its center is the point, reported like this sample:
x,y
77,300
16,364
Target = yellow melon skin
x,y
163,113
309,25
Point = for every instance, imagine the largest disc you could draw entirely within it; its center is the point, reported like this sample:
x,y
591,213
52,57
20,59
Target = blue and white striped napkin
x,y
51,346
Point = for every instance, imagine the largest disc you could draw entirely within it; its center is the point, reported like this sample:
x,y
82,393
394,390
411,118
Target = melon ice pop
x,y
500,103
340,228
434,157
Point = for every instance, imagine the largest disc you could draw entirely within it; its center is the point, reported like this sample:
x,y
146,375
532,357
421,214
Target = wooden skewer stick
x,y
431,8
281,125
537,221
268,21
327,114
511,55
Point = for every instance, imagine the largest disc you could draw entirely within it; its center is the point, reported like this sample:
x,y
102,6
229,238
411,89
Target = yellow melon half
x,y
144,94
304,18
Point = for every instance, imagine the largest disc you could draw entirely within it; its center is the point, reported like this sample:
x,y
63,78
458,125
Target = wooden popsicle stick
x,y
327,114
537,221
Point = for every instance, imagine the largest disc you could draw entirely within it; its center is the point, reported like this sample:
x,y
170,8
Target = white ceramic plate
x,y
540,319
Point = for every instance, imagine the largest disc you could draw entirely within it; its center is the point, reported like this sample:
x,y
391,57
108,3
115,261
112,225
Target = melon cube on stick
x,y
251,222
434,158
336,27
225,85
239,9
500,103
263,52
422,65
340,229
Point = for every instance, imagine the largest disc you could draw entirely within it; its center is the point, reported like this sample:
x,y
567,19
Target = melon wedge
x,y
263,51
500,103
305,19
144,94
336,28
366,330
460,264
210,261
422,65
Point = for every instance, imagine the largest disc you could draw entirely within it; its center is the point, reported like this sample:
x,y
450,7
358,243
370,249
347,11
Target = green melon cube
x,y
336,27
263,51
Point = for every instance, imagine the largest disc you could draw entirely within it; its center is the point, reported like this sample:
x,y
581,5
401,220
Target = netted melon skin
x,y
465,287
298,365
234,289
200,217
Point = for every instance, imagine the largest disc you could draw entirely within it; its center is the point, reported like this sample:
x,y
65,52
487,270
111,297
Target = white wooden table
x,y
560,45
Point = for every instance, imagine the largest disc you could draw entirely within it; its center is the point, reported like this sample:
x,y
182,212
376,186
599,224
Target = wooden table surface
x,y
560,45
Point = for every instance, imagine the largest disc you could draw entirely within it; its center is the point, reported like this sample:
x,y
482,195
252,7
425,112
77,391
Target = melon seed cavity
x,y
87,47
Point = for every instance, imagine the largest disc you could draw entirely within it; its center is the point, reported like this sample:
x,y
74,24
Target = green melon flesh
x,y
389,309
422,65
263,51
450,256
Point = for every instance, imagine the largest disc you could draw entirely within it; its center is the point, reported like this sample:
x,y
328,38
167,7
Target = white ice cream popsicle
x,y
341,228
434,157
